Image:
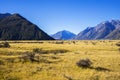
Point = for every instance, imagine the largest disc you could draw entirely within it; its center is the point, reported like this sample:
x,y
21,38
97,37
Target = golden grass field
x,y
61,66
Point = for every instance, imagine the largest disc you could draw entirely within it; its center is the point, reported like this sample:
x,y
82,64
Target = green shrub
x,y
84,63
27,56
10,60
4,45
1,62
37,50
94,43
118,44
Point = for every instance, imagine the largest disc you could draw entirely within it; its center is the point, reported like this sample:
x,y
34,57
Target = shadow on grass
x,y
99,69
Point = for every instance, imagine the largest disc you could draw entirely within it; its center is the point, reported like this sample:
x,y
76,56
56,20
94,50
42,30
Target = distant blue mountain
x,y
63,35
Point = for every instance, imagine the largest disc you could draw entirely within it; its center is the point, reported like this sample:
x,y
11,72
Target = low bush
x,y
28,56
94,43
32,57
1,62
4,45
59,42
10,60
119,49
41,51
118,44
68,77
37,50
84,63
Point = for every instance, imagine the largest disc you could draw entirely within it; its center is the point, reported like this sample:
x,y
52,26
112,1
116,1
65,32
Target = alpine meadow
x,y
31,60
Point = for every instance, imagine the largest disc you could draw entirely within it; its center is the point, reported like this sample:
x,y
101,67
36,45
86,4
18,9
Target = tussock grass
x,y
52,65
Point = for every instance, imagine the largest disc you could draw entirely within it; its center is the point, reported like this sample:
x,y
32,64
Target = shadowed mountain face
x,y
104,30
63,35
114,35
16,27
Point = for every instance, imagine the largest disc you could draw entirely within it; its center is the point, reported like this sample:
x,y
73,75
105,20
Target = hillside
x,y
4,15
16,27
104,30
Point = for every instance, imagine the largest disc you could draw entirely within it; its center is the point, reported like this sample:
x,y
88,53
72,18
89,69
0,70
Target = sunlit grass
x,y
61,66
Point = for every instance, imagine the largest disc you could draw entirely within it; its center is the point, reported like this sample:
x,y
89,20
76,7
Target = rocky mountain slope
x,y
104,30
16,27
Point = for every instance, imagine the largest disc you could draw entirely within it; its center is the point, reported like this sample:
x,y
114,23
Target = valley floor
x,y
56,60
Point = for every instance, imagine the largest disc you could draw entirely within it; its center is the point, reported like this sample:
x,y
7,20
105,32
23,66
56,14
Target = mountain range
x,y
104,30
16,27
63,35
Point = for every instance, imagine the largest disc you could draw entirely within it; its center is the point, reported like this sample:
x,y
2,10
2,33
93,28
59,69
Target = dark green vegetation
x,y
84,63
4,45
118,44
16,27
41,51
87,63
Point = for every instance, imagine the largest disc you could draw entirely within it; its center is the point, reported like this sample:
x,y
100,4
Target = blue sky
x,y
55,15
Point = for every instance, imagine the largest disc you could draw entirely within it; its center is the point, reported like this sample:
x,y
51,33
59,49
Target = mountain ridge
x,y
4,15
63,35
104,30
16,27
